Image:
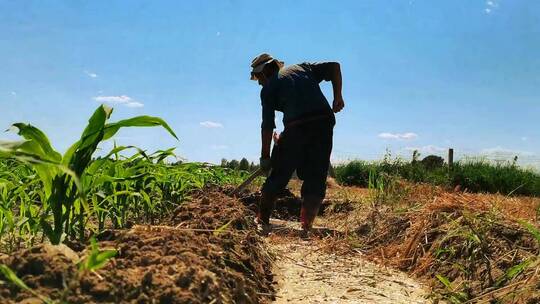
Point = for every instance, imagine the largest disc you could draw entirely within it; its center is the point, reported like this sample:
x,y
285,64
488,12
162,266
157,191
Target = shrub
x,y
475,176
432,161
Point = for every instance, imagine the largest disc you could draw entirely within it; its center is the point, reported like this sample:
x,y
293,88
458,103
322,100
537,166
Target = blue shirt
x,y
295,91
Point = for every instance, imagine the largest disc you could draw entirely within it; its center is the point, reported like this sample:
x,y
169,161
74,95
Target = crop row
x,y
44,194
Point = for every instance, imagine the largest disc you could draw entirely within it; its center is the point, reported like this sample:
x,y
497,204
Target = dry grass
x,y
469,247
476,244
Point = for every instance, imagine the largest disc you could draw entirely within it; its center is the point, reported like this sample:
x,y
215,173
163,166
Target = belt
x,y
307,119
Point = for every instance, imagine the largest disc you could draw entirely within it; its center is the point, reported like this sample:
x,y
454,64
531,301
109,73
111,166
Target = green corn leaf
x,y
97,258
37,142
93,131
147,199
98,163
140,153
46,168
103,257
139,121
90,138
162,154
128,193
13,278
68,155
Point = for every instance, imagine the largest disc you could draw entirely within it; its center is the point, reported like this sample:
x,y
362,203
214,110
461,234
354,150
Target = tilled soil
x,y
288,205
207,253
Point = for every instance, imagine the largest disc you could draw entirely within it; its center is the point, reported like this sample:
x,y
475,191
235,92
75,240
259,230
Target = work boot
x,y
266,206
310,209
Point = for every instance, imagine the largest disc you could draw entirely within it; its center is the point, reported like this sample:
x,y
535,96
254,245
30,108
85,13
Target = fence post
x,y
450,158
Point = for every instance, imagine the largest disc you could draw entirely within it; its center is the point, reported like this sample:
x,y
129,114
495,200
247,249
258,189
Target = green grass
x,y
475,176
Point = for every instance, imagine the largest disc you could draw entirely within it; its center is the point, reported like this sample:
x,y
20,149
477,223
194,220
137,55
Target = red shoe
x,y
307,218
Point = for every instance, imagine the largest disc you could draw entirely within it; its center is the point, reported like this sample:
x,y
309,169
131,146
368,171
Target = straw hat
x,y
258,63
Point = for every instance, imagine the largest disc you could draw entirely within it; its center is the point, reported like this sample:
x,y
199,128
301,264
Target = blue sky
x,y
424,75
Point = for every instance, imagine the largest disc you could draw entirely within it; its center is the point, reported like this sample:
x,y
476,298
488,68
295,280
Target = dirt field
x,y
367,247
183,261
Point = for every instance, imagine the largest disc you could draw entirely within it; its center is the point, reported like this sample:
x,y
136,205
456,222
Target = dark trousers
x,y
305,148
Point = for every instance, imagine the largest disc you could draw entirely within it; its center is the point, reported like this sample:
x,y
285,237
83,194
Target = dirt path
x,y
306,274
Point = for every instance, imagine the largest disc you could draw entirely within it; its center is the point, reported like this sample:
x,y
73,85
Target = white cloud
x,y
491,5
119,100
504,152
211,124
134,104
219,147
398,136
524,138
90,74
429,149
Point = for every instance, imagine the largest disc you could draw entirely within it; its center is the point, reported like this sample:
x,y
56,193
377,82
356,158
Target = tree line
x,y
246,165
242,164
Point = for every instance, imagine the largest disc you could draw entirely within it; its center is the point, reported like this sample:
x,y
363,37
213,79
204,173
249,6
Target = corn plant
x,y
97,258
61,175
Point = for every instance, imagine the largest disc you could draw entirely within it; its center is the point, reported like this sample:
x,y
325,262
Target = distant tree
x,y
233,164
244,164
432,161
224,162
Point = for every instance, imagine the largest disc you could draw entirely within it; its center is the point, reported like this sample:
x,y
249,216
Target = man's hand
x,y
275,137
338,104
265,164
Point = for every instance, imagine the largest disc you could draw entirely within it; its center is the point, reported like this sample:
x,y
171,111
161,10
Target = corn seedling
x,y
97,258
60,175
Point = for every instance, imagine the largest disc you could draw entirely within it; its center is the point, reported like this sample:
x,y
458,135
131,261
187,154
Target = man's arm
x,y
335,77
267,128
266,142
331,71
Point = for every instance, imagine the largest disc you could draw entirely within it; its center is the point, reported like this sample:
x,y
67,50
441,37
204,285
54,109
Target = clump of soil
x,y
456,238
288,205
207,253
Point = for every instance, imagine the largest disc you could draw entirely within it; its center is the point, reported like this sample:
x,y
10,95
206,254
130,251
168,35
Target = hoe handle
x,y
248,181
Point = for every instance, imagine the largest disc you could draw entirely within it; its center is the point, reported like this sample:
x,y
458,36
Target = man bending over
x,y
305,144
